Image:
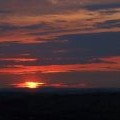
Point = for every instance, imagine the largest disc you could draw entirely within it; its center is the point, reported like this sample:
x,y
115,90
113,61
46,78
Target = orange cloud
x,y
18,59
19,28
110,64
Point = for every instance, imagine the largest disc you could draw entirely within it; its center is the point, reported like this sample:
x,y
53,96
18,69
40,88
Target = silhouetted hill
x,y
32,105
54,90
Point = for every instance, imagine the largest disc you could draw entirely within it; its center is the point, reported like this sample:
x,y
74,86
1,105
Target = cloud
x,y
4,27
103,6
42,7
72,79
37,27
84,49
4,12
12,32
109,24
90,79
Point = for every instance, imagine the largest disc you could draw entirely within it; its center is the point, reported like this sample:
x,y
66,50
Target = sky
x,y
61,43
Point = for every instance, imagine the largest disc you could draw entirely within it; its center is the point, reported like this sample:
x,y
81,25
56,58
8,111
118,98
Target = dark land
x,y
60,104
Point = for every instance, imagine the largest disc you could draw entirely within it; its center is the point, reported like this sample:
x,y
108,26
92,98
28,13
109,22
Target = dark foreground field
x,y
48,106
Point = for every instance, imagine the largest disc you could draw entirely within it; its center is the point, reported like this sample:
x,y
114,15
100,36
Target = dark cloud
x,y
5,12
109,24
91,79
96,44
36,26
109,11
42,7
78,49
7,27
102,6
35,7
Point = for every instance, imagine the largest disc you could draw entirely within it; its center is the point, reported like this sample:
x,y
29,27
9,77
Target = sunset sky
x,y
60,43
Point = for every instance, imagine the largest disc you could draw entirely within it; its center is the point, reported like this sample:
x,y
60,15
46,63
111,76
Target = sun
x,y
30,85
33,84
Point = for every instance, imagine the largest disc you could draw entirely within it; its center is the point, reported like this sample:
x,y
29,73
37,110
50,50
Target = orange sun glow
x,y
30,85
